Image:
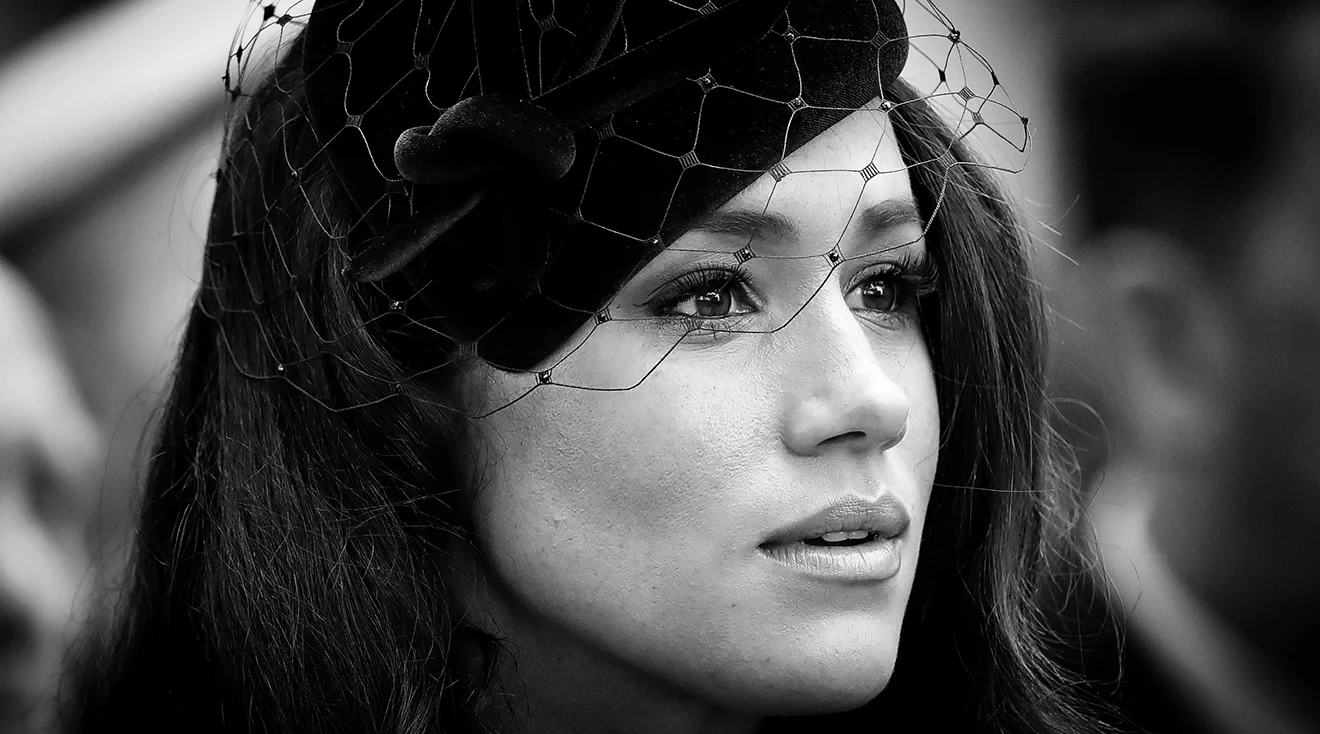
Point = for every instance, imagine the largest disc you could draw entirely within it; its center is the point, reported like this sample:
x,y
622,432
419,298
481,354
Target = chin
x,y
827,679
841,688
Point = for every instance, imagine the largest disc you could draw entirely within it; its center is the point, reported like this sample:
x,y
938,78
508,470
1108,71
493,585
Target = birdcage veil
x,y
507,165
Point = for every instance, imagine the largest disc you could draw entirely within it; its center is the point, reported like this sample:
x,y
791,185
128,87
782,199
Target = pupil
x,y
880,296
714,303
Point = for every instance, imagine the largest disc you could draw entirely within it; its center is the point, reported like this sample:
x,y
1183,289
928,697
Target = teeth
x,y
841,536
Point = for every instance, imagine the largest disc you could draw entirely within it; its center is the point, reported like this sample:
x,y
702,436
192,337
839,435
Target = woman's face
x,y
667,542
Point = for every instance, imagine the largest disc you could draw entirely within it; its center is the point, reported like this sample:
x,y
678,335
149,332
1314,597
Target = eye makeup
x,y
726,298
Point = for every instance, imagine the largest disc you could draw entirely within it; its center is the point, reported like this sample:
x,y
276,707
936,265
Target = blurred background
x,y
1173,192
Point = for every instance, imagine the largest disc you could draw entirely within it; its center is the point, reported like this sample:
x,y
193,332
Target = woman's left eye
x,y
709,305
884,293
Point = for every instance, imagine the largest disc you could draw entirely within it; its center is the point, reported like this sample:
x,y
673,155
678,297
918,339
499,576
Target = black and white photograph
x,y
694,366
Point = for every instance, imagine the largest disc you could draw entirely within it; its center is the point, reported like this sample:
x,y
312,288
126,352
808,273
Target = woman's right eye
x,y
708,296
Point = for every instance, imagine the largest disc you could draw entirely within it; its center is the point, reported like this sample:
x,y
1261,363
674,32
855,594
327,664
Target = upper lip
x,y
885,516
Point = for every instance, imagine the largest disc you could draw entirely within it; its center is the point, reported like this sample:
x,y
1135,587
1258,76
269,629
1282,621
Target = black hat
x,y
516,161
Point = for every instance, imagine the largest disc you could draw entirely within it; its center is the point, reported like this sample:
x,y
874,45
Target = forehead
x,y
851,166
864,136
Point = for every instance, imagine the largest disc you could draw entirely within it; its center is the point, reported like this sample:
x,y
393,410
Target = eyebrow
x,y
747,224
887,215
875,219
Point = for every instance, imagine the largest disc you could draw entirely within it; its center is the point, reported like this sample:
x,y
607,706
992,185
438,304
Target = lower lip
x,y
878,560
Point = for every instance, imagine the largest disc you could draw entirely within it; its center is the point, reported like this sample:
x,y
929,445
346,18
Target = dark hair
x,y
290,563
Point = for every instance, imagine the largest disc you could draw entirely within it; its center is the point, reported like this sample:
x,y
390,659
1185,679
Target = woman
x,y
598,367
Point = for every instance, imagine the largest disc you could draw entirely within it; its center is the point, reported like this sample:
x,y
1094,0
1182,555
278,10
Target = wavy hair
x,y
290,563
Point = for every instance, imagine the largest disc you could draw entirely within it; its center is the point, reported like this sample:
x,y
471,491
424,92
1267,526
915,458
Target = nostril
x,y
848,437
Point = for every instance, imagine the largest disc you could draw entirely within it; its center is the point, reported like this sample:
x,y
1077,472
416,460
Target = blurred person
x,y
1197,296
102,206
20,22
49,456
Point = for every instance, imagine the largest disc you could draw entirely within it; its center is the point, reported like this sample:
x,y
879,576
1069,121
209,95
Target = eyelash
x,y
700,282
915,275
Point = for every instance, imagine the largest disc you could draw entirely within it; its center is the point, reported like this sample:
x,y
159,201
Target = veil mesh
x,y
602,232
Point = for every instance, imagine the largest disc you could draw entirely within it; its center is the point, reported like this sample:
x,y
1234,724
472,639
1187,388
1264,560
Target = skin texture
x,y
618,533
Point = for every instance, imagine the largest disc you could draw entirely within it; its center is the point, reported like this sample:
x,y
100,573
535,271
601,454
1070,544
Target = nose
x,y
841,394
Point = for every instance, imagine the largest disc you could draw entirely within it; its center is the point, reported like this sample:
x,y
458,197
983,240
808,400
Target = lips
x,y
884,518
851,540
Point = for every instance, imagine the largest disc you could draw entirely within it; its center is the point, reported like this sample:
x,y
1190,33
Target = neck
x,y
551,690
548,681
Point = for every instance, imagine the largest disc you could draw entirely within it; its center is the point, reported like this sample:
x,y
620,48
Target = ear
x,y
1169,323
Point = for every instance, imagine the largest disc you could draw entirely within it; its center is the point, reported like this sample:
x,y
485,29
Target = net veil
x,y
505,245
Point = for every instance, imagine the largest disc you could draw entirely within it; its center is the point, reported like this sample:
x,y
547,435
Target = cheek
x,y
630,521
651,467
622,518
921,444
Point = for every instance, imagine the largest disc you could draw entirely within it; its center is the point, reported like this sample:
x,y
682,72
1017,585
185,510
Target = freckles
x,y
923,433
906,360
627,464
